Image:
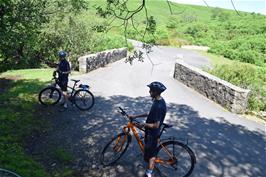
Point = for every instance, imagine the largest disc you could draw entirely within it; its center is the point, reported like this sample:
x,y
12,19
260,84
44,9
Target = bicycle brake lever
x,y
123,112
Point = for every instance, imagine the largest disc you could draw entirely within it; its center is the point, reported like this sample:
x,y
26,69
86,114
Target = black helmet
x,y
62,54
157,86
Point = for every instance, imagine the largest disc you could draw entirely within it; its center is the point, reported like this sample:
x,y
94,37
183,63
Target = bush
x,y
189,18
22,37
172,22
249,50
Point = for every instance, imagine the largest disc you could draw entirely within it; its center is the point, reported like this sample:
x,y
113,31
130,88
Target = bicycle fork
x,y
119,144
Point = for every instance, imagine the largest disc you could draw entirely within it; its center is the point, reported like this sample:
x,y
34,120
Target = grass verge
x,y
18,101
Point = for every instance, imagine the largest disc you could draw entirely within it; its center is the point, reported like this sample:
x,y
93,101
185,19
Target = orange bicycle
x,y
174,158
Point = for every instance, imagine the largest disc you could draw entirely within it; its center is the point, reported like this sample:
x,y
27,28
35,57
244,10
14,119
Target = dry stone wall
x,y
91,62
222,92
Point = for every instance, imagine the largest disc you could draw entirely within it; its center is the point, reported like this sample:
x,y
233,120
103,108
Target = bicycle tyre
x,y
76,99
7,173
184,148
50,90
125,145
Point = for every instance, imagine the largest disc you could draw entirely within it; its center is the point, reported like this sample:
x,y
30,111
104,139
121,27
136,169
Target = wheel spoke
x,y
183,156
49,96
84,99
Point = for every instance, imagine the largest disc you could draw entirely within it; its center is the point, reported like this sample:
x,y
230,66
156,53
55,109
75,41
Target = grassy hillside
x,y
237,37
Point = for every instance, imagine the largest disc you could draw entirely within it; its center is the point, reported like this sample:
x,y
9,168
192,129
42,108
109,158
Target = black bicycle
x,y
80,95
7,173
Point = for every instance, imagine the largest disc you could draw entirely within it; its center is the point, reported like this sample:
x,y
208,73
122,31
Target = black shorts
x,y
63,85
150,147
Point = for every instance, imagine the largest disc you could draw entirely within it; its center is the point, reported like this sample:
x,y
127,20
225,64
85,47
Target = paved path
x,y
224,143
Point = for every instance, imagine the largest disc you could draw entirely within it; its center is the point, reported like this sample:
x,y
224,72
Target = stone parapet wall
x,y
222,92
91,62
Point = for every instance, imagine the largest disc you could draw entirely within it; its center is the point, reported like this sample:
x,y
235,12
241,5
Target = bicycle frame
x,y
131,127
72,88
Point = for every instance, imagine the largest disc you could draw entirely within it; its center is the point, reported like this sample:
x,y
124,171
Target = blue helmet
x,y
158,86
62,54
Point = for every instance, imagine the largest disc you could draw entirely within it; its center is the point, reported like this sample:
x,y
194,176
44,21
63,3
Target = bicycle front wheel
x,y
7,173
49,96
115,148
84,99
175,159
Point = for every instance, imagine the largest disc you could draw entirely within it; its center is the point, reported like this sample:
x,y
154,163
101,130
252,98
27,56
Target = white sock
x,y
65,105
149,173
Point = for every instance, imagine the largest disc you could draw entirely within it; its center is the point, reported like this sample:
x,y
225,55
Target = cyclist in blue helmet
x,y
152,125
63,69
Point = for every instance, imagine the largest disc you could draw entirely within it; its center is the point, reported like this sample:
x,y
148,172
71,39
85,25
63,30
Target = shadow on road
x,y
222,149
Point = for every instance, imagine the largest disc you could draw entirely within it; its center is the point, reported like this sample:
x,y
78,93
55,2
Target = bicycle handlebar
x,y
131,120
123,112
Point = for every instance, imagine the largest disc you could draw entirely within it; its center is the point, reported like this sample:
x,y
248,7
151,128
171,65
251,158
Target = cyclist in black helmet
x,y
154,120
63,69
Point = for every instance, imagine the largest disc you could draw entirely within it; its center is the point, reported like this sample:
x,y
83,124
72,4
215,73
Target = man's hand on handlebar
x,y
132,116
140,125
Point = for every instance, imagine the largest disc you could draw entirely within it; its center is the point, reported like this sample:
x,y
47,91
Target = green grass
x,y
62,156
39,74
216,59
19,119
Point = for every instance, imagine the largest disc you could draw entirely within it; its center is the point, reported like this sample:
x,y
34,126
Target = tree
x,y
21,22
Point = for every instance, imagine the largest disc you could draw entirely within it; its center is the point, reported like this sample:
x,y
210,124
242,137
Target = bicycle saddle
x,y
167,125
75,80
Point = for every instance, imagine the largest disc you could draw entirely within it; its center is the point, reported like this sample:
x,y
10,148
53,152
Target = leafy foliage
x,y
238,38
32,32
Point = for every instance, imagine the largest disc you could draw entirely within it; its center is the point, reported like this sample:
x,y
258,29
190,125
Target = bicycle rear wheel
x,y
7,173
182,162
115,148
84,99
49,96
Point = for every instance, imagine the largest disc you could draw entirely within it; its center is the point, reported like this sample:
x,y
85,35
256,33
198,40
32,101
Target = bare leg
x,y
151,163
150,167
65,98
